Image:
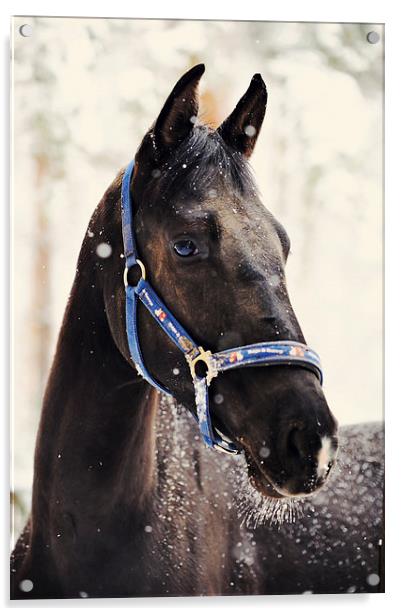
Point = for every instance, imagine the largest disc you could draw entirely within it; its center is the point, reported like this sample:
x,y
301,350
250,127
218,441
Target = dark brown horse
x,y
127,501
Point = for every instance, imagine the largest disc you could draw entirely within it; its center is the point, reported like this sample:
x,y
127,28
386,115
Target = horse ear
x,y
177,118
241,129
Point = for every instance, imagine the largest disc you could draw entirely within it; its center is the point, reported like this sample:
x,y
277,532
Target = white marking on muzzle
x,y
325,457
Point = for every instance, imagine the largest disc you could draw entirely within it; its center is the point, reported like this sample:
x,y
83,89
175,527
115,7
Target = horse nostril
x,y
295,443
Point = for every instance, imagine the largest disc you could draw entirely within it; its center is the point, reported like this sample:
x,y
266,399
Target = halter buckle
x,y
207,358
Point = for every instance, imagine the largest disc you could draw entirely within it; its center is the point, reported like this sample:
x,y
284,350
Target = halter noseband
x,y
204,365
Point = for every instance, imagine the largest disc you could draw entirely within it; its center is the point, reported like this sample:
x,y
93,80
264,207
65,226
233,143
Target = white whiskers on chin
x,y
255,509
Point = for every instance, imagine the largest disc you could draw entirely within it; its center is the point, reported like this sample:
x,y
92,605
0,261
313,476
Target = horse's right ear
x,y
176,119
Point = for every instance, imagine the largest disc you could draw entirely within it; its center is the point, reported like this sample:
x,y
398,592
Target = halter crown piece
x,y
204,365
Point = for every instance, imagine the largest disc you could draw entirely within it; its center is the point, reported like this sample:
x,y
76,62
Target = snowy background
x,y
86,90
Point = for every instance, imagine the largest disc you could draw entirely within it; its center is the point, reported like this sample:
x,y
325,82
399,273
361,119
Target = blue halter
x,y
203,365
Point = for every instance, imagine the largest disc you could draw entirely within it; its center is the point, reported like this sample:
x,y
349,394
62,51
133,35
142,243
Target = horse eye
x,y
185,248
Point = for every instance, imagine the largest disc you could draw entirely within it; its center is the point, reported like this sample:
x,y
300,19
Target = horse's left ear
x,y
176,119
241,128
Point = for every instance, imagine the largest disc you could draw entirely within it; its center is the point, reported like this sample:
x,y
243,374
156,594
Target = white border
x,y
383,11
285,10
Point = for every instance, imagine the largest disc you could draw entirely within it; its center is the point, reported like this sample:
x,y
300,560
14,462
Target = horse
x,y
127,501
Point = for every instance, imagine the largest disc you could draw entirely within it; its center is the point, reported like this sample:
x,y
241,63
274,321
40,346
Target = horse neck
x,y
98,414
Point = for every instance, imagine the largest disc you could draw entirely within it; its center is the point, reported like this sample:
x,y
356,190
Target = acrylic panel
x,y
255,204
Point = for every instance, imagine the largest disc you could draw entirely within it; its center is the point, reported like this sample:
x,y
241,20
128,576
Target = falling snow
x,y
250,131
103,250
373,579
26,585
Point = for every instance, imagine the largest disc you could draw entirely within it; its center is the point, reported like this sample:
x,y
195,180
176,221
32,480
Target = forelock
x,y
202,161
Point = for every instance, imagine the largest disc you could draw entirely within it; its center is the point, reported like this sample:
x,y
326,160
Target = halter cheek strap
x,y
204,365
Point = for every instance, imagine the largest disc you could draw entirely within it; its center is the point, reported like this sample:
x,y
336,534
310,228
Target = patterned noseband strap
x,y
204,365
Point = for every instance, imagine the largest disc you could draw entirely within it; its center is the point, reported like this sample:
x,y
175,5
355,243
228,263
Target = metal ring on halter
x,y
126,270
224,441
207,358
